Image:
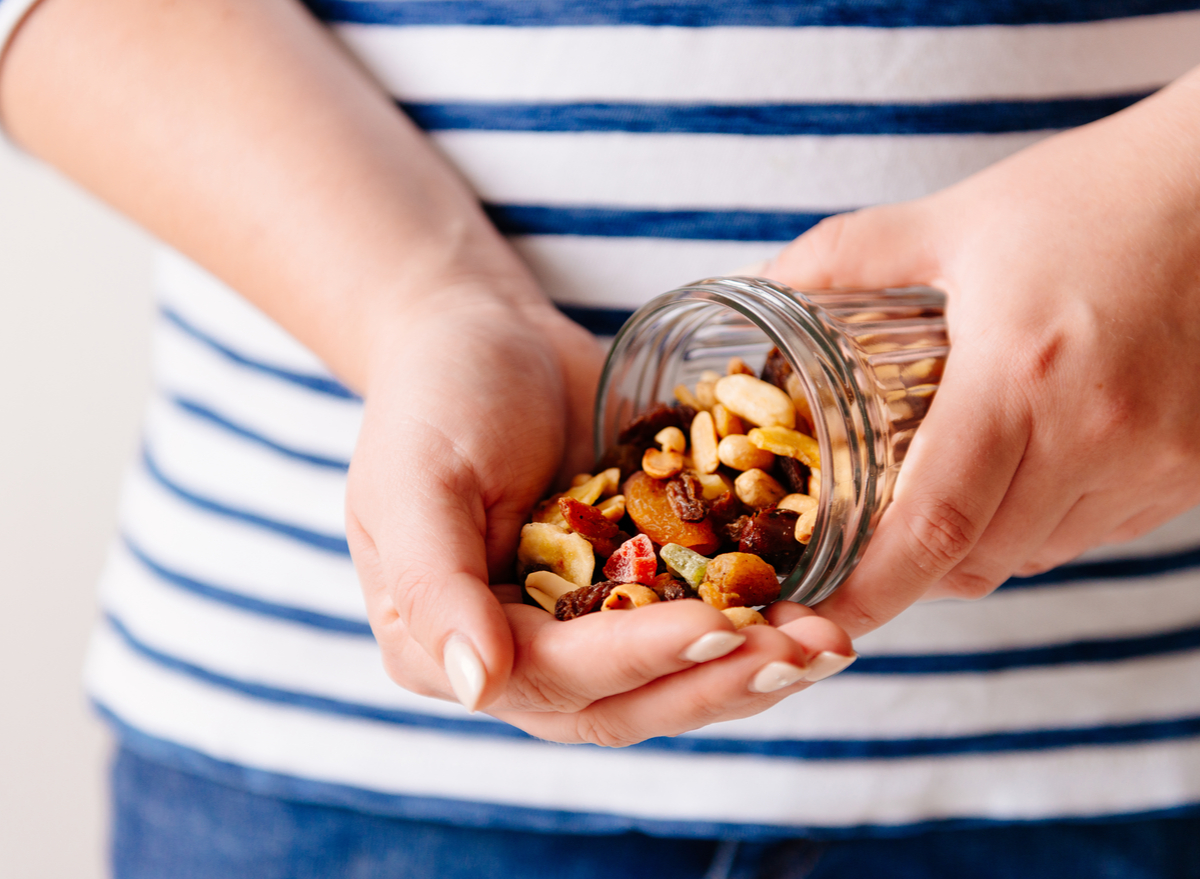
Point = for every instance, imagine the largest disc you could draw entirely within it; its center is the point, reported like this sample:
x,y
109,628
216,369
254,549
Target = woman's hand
x,y
470,417
1069,413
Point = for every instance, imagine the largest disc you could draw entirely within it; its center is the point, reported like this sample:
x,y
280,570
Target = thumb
x,y
422,559
886,246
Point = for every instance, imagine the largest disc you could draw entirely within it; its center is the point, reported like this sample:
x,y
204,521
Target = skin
x,y
211,123
1072,270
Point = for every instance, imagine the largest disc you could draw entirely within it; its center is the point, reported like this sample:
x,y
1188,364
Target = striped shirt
x,y
626,147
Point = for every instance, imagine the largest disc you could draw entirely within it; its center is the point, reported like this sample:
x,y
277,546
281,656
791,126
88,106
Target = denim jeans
x,y
168,823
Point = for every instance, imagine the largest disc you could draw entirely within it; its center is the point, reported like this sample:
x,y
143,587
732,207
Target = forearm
x,y
240,133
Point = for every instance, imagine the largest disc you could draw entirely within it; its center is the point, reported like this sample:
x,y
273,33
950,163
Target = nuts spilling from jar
x,y
711,499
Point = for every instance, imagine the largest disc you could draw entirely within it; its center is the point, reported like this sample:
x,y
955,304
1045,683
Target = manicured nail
x,y
465,670
826,665
712,646
775,676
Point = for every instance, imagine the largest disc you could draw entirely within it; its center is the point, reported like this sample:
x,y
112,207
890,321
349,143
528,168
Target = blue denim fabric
x,y
173,824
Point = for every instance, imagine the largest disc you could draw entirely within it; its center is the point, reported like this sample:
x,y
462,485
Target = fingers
x,y
430,584
770,665
887,246
564,666
956,474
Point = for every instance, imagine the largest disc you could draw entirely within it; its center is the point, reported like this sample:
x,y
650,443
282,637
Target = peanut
x,y
798,503
704,443
685,396
727,423
738,452
758,490
737,366
546,587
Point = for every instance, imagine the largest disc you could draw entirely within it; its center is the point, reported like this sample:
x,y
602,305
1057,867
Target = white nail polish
x,y
465,670
826,665
712,646
775,676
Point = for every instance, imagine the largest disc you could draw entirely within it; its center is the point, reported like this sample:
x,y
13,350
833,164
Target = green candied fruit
x,y
684,563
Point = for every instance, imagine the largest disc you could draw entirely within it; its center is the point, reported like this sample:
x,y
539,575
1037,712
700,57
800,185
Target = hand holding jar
x,y
1068,415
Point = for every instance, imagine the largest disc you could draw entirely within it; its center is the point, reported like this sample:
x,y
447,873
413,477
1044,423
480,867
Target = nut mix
x,y
711,499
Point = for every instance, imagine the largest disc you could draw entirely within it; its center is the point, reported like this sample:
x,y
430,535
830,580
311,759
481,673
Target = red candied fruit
x,y
633,562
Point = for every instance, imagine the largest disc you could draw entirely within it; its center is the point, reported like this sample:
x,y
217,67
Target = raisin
x,y
640,432
686,496
670,589
795,474
771,535
624,456
647,504
585,600
776,369
735,528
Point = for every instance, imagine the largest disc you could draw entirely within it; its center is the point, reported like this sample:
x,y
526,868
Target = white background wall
x,y
74,316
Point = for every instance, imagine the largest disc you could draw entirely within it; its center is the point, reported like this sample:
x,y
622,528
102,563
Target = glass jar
x,y
867,362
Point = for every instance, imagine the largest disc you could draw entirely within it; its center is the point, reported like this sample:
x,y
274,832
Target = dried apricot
x,y
647,503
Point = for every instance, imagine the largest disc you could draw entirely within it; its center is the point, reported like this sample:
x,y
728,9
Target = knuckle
x,y
606,729
942,533
968,585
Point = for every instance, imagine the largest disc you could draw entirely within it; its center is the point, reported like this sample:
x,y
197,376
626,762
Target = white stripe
x,y
625,272
219,311
240,473
715,172
1039,616
379,757
232,555
280,654
294,416
753,65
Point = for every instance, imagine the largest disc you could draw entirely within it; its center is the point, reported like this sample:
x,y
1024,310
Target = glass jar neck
x,y
843,348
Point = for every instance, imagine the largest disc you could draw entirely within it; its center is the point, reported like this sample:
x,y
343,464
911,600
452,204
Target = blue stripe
x,y
974,117
789,749
329,542
204,413
1074,653
1114,569
715,13
305,380
601,321
680,225
233,598
507,816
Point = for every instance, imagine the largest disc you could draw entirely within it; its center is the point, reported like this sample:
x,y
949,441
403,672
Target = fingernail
x,y
712,646
465,670
826,665
775,676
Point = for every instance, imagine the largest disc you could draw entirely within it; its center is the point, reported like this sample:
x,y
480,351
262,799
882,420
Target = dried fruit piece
x,y
640,432
546,587
704,443
647,504
548,513
627,596
633,562
686,495
758,490
585,600
546,547
670,589
684,563
739,579
738,452
771,535
744,616
795,474
776,368
786,442
755,400
592,525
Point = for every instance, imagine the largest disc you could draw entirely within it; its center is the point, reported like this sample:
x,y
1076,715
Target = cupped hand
x,y
1069,411
473,413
